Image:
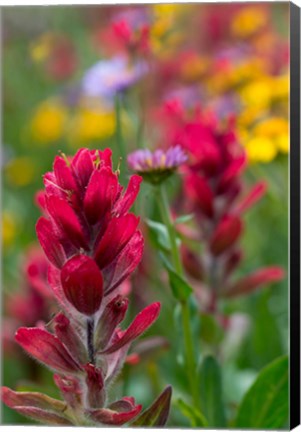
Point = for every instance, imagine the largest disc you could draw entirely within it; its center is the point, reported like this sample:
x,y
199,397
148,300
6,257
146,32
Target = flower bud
x,y
112,315
95,386
225,235
82,283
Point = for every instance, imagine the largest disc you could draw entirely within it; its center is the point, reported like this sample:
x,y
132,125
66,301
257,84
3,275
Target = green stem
x,y
118,134
188,339
165,213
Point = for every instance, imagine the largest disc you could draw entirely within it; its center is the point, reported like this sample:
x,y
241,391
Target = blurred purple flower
x,y
157,166
107,77
189,96
135,18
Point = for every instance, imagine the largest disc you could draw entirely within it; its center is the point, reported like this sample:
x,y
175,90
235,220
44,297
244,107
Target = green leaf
x,y
265,405
159,234
211,331
195,416
157,413
212,393
180,288
184,218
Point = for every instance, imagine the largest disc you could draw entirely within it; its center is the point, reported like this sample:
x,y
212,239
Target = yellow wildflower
x,y
260,149
250,115
235,75
163,36
193,68
9,228
168,9
248,21
258,93
20,171
282,142
48,122
41,48
92,124
276,129
281,87
272,127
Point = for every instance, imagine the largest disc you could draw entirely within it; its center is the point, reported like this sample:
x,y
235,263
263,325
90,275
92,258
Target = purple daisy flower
x,y
107,77
158,165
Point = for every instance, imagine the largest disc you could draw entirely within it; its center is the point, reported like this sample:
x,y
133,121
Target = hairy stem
x,y
90,340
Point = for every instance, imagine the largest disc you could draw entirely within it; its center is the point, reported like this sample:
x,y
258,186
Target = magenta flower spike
x,y
93,244
87,215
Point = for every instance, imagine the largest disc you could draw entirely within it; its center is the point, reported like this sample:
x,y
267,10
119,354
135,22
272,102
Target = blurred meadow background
x,y
229,59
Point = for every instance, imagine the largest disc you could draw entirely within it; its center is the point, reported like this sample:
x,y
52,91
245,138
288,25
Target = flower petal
x,y
69,337
82,283
200,192
54,281
118,233
50,243
140,324
113,314
111,417
101,194
82,167
254,195
96,394
63,175
233,170
226,234
44,416
46,348
34,399
253,281
126,201
71,390
66,220
125,263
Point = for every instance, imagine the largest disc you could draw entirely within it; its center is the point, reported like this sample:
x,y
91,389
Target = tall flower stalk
x,y
93,244
156,168
190,358
216,194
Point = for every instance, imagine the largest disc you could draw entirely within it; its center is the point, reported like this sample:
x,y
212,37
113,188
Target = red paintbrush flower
x,y
87,228
93,245
214,192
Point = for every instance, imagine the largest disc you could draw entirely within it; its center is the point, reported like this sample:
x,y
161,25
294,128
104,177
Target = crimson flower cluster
x,y
32,303
93,244
216,194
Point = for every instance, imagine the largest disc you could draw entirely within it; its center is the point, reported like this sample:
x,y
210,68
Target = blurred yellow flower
x,y
91,124
193,68
163,33
258,93
282,142
49,121
9,228
260,149
276,129
281,88
250,115
40,49
235,75
20,171
167,9
248,21
272,127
